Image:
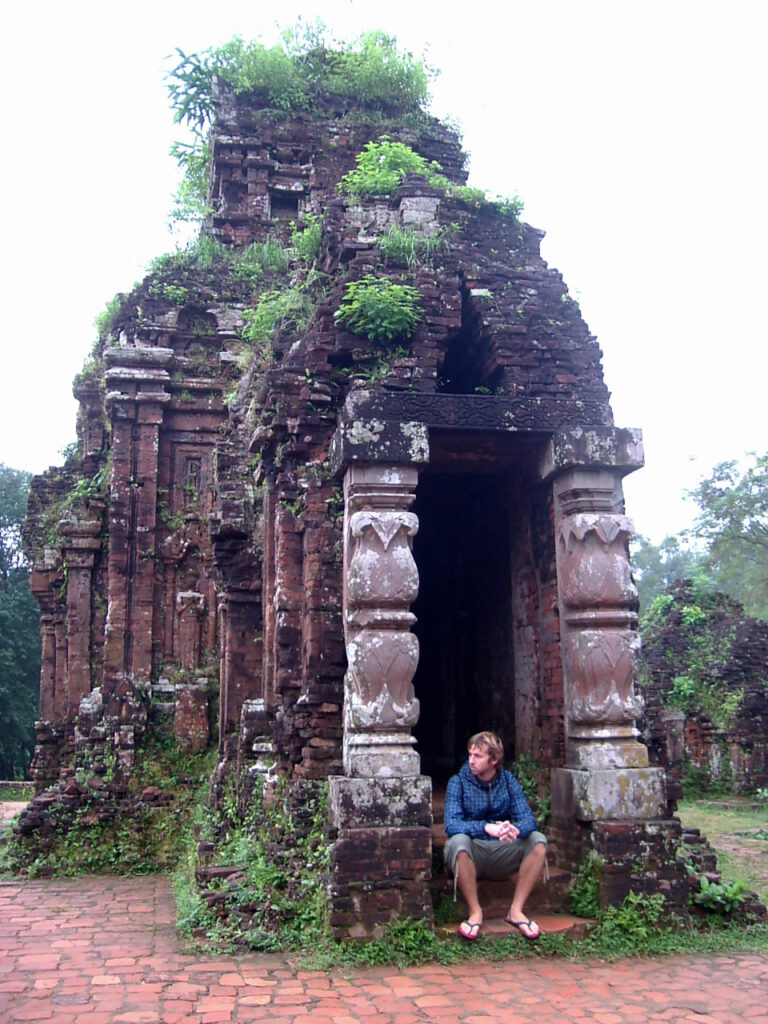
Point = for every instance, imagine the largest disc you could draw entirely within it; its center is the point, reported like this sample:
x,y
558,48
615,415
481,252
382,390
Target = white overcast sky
x,y
634,132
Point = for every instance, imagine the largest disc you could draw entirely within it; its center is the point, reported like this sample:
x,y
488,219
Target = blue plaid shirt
x,y
470,804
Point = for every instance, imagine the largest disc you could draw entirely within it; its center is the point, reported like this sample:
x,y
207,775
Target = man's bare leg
x,y
467,882
527,876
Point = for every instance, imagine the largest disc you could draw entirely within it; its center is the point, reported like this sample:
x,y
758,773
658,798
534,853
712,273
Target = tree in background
x,y
19,632
657,567
733,523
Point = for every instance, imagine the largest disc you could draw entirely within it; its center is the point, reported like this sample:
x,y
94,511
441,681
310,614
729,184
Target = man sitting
x,y
492,834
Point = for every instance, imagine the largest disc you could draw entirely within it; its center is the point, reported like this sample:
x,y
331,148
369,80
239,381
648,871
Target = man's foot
x,y
470,930
528,929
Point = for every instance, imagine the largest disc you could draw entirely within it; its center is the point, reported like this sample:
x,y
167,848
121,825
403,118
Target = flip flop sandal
x,y
530,924
470,931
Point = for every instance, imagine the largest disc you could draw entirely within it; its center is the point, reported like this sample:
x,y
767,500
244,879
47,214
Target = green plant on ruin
x,y
585,891
176,294
306,239
278,313
469,194
656,615
105,320
189,200
305,68
698,781
381,167
171,520
91,369
693,694
87,489
509,206
372,72
284,863
404,245
719,897
293,75
271,255
134,837
205,254
379,309
293,507
630,927
335,504
370,372
528,771
704,648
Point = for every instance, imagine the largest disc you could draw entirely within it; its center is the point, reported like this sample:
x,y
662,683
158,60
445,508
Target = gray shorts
x,y
492,858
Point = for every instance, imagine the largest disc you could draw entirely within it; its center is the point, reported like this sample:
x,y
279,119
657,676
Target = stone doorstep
x,y
495,928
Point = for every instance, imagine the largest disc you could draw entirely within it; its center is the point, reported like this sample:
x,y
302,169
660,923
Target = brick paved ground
x,y
103,951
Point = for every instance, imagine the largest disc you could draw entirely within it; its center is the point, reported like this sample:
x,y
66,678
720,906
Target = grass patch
x,y
631,930
16,792
735,827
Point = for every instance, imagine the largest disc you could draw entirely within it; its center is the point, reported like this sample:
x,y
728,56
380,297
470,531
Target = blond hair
x,y
489,740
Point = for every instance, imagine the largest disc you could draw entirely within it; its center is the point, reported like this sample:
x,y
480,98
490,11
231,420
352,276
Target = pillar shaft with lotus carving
x,y
380,583
606,773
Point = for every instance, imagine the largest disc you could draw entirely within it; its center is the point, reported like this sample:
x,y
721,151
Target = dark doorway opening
x,y
465,678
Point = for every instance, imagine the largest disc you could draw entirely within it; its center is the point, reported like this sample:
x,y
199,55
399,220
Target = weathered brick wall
x,y
379,875
641,857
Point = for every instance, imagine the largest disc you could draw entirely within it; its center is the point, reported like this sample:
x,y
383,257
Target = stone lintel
x,y
376,440
366,803
593,447
618,794
137,355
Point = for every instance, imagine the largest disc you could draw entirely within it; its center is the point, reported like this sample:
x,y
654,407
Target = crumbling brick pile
x,y
733,753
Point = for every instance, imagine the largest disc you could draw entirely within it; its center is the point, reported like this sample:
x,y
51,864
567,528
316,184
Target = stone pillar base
x,y
379,803
618,794
381,755
379,876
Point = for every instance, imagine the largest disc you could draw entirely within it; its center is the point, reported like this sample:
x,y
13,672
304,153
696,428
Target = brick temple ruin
x,y
375,550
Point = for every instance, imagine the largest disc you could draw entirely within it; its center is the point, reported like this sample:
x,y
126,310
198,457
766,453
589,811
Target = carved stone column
x,y
380,582
607,773
382,806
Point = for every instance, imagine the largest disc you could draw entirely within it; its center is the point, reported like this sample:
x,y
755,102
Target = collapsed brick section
x,y
734,753
218,538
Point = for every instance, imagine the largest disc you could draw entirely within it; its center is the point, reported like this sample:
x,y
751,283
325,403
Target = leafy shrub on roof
x,y
291,76
379,309
382,166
